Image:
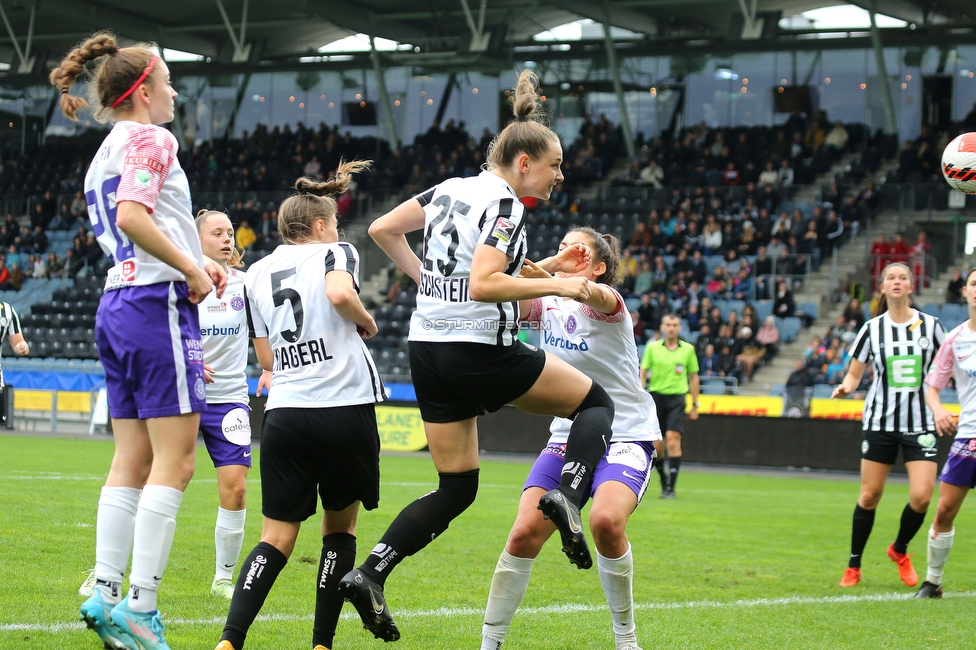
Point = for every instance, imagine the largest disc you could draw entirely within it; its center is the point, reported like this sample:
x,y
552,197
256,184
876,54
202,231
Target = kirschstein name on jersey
x,y
297,355
460,215
138,162
446,289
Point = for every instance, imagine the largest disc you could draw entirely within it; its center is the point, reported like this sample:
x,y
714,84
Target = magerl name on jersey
x,y
446,289
297,355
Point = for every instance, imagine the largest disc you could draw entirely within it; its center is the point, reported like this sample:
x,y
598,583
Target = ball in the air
x,y
959,163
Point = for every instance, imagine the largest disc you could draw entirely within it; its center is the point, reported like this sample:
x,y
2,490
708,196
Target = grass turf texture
x,y
736,561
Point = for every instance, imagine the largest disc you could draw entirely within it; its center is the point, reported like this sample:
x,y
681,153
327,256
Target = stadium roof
x,y
439,34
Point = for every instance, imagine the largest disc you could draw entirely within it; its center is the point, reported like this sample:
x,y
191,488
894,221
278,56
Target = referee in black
x,y
673,367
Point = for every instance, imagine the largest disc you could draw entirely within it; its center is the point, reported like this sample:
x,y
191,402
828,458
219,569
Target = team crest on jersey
x,y
504,230
924,343
199,389
571,324
237,303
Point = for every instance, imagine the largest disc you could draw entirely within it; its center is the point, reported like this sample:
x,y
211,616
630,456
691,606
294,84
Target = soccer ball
x,y
959,163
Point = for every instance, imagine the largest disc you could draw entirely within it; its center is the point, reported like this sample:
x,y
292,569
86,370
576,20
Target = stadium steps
x,y
811,193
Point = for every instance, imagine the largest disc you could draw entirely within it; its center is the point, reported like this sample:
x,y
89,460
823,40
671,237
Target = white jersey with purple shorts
x,y
601,346
320,360
957,359
146,328
225,422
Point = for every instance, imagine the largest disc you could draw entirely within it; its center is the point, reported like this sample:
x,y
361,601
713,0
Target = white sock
x,y
939,546
228,538
508,586
155,526
617,577
114,524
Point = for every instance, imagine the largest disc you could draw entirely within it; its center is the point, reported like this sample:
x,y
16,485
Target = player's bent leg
x,y
454,449
258,573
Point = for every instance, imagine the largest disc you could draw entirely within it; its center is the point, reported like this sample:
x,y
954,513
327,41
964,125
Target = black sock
x,y
587,442
338,558
663,471
258,574
420,522
911,521
860,531
675,463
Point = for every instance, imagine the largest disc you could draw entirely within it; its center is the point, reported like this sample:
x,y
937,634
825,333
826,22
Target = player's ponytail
x,y
117,71
606,249
526,133
236,257
314,200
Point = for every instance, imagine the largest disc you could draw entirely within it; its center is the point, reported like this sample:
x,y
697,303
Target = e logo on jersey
x,y
904,371
236,427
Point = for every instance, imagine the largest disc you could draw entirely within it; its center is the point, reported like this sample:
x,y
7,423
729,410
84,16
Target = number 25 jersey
x,y
319,358
460,215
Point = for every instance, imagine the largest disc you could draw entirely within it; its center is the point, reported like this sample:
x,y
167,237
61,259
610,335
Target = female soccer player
x,y
465,356
147,329
225,422
319,436
901,344
955,359
595,335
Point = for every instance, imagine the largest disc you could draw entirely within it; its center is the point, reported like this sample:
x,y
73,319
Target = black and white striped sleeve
x,y
13,324
861,350
343,257
502,224
426,197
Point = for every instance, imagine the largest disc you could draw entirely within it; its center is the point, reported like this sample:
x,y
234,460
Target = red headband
x,y
149,69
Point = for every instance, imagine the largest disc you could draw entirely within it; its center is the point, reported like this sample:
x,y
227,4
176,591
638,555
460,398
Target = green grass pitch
x,y
736,561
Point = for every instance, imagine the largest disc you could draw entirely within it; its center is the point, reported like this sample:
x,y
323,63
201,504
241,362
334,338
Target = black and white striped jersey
x,y
461,214
901,355
9,321
319,358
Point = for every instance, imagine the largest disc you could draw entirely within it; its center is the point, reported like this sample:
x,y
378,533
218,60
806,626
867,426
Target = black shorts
x,y
457,381
882,446
670,411
334,452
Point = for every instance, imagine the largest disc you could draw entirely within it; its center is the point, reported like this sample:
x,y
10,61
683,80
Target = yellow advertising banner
x,y
40,400
848,409
401,428
739,405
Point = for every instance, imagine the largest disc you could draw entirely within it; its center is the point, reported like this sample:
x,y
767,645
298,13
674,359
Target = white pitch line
x,y
569,608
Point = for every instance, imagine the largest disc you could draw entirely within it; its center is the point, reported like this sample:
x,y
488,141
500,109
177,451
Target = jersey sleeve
x,y
424,198
861,349
617,316
501,225
692,359
343,257
13,326
148,156
938,334
941,370
648,359
256,327
535,313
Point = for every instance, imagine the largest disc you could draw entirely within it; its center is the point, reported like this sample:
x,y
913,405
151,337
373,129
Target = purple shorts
x,y
227,433
960,466
149,343
629,463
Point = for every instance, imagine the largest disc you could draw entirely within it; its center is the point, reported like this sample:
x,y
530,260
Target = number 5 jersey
x,y
137,162
462,213
319,358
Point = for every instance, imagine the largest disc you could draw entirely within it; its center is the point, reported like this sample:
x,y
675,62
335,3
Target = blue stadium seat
x,y
809,308
764,308
789,328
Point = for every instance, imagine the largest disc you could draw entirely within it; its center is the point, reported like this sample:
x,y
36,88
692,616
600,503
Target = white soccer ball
x,y
959,163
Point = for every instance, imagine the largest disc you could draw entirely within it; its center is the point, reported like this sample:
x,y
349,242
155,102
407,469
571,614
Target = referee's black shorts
x,y
332,453
670,411
456,381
